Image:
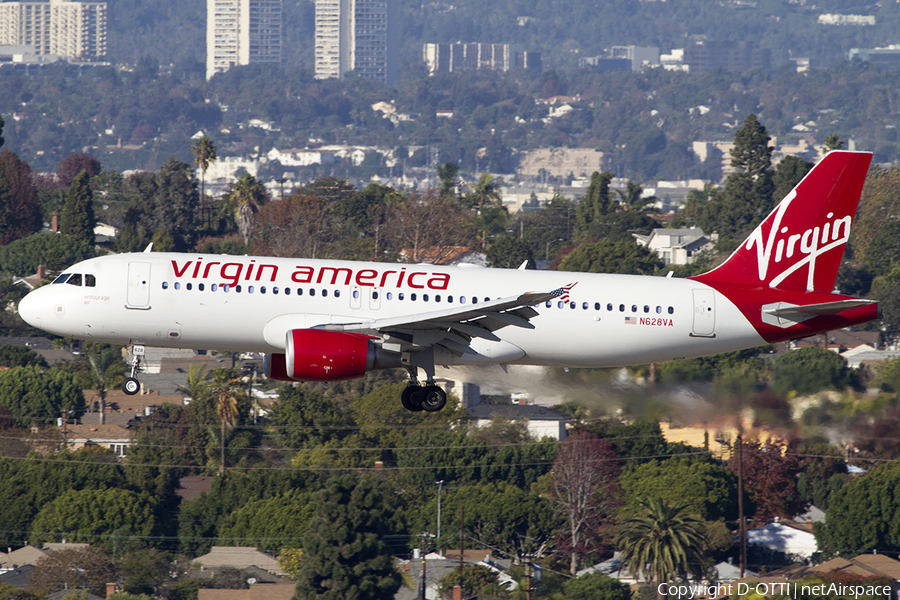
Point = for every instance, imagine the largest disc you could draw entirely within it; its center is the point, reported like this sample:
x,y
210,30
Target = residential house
x,y
115,437
26,555
239,558
784,538
541,421
674,246
256,591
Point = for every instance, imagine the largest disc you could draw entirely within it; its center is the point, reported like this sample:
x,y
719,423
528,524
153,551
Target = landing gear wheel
x,y
131,386
411,398
433,398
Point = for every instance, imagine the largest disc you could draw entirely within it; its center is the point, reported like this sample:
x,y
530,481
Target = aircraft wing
x,y
453,328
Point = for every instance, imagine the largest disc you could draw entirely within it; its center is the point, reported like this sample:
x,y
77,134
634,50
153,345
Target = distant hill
x,y
562,30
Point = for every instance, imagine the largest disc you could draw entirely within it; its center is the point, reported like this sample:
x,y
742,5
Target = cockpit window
x,y
90,280
62,278
75,279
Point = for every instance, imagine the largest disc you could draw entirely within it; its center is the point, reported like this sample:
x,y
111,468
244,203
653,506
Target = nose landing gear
x,y
131,385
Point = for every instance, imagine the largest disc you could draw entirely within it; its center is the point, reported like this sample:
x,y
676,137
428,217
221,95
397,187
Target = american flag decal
x,y
631,320
563,292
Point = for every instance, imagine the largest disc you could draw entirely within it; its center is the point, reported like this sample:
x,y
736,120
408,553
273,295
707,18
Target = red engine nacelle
x,y
322,355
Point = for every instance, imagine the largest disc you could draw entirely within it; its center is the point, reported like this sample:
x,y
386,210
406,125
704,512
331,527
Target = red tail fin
x,y
800,244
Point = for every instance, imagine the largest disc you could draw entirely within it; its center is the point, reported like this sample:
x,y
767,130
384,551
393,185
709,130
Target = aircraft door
x,y
138,296
704,313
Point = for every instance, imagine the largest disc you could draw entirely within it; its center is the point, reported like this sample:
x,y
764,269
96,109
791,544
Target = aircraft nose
x,y
30,309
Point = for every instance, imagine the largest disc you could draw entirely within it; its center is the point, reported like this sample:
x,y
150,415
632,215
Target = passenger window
x,y
389,296
262,289
659,310
487,299
75,279
337,293
237,289
299,291
462,299
560,304
225,287
200,286
400,296
548,303
474,300
584,306
634,308
609,307
312,291
213,287
355,294
646,308
62,278
165,285
671,310
596,306
90,280
450,299
324,293
425,297
571,305
188,286
275,290
621,308
178,285
250,289
437,297
412,297
287,291
375,295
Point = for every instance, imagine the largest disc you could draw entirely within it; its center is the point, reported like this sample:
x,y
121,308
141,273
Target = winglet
x,y
149,248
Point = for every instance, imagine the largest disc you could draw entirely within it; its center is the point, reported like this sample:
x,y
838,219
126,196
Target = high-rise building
x,y
446,58
358,36
241,32
75,30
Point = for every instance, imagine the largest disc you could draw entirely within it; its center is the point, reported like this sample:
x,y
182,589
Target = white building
x,y
75,30
859,20
241,32
356,35
674,246
294,157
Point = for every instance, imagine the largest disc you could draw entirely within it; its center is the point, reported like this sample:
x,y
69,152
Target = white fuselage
x,y
250,303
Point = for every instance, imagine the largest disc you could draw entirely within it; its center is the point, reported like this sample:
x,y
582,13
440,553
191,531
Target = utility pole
x,y
461,521
743,527
440,485
422,584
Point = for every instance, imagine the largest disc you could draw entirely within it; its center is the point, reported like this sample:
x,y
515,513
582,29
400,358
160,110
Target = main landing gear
x,y
416,397
131,385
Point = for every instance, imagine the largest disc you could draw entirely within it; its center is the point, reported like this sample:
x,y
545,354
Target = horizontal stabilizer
x,y
784,314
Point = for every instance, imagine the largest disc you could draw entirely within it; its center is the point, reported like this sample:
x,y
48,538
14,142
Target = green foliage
x,y
475,580
271,523
594,207
809,370
663,542
788,174
20,214
55,252
703,487
290,559
864,514
20,356
607,256
508,253
85,570
34,395
94,515
596,586
10,592
448,174
77,217
165,201
345,556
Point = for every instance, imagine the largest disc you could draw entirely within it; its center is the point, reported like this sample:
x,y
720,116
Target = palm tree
x,y
197,384
662,542
249,195
107,371
832,142
486,191
204,152
226,390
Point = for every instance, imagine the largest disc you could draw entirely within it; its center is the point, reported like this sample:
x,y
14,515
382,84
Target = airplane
x,y
328,320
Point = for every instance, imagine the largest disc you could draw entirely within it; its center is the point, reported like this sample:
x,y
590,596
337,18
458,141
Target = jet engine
x,y
322,355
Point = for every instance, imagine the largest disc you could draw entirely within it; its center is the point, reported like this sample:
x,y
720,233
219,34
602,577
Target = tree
x,y
633,197
227,392
788,174
770,479
485,192
475,581
20,356
271,523
9,591
508,253
73,164
706,489
248,196
832,142
33,395
447,173
863,515
86,569
428,226
55,252
93,516
591,210
300,225
585,491
204,152
808,370
107,370
663,542
77,217
606,256
344,554
20,213
595,586
165,201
